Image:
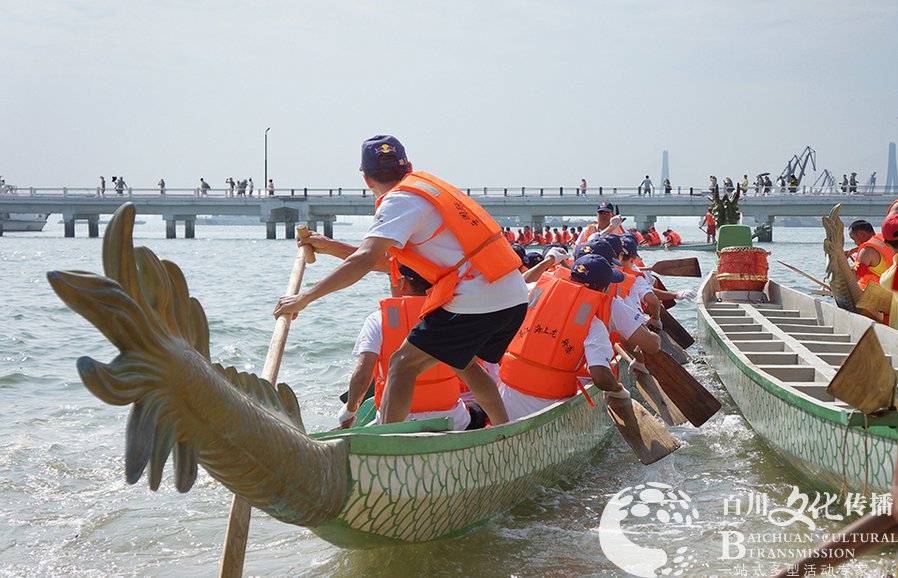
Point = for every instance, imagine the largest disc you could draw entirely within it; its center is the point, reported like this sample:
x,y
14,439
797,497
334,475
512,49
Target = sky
x,y
482,93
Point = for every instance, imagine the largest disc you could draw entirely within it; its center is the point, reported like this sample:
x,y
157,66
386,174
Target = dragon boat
x,y
406,482
777,351
682,247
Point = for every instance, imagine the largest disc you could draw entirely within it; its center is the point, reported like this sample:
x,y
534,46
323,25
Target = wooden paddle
x,y
673,349
800,272
868,533
651,392
658,284
238,521
646,436
693,400
676,331
687,267
865,380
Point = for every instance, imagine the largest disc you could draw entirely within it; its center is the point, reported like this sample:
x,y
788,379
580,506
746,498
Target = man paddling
x,y
478,300
606,222
436,391
568,321
873,256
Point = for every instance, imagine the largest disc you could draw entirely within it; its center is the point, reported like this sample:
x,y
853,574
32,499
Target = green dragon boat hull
x,y
785,401
416,487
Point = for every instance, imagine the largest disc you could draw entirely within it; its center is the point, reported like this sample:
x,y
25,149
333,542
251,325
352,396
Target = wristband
x,y
622,393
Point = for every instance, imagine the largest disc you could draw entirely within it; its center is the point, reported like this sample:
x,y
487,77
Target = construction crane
x,y
798,163
826,182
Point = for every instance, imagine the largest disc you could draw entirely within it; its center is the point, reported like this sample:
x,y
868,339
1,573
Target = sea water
x,y
67,510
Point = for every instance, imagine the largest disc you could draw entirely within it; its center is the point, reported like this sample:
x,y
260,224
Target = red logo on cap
x,y
581,268
385,149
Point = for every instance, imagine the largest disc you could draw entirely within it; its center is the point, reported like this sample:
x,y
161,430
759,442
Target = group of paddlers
x,y
575,235
474,330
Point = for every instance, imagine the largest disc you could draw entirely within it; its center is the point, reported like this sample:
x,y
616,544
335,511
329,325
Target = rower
x,y
606,222
640,287
567,321
436,392
672,238
710,227
873,256
478,299
889,279
652,238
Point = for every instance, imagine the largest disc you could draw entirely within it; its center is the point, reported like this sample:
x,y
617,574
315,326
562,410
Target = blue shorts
x,y
456,338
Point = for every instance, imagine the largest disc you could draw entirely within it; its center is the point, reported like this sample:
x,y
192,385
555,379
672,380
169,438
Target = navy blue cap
x,y
533,259
382,152
631,245
414,275
594,270
605,207
521,253
597,247
615,242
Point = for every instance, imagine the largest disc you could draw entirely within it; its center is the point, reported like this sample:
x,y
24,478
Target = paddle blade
x,y
646,436
865,381
693,400
687,267
670,347
875,298
676,331
662,406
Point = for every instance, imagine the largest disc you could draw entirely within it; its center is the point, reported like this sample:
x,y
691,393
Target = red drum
x,y
742,269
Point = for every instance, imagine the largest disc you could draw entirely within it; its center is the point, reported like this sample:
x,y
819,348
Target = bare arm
x,y
644,339
604,379
652,305
361,379
347,273
534,273
869,256
327,246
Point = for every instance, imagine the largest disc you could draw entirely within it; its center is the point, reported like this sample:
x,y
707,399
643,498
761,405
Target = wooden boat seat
x,y
829,346
775,313
773,358
744,327
809,337
794,320
761,345
791,372
798,328
815,390
749,335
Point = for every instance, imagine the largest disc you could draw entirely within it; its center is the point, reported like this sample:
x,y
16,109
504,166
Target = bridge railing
x,y
523,191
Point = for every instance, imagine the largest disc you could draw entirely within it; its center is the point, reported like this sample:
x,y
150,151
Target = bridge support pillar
x,y
290,230
764,230
643,222
70,227
93,227
170,232
538,222
190,229
271,231
329,228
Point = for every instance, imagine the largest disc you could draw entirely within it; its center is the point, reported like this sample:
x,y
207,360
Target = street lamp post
x,y
265,182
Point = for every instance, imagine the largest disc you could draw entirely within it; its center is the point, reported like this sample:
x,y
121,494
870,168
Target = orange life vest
x,y
566,237
674,239
623,288
510,236
709,220
545,354
639,237
652,238
437,389
484,246
866,274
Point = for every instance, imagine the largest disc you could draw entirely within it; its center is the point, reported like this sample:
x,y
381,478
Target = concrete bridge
x,y
322,206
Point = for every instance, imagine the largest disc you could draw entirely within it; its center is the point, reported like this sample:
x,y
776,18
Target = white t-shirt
x,y
369,341
407,218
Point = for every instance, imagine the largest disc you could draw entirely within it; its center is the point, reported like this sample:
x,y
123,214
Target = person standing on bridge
x,y
230,183
102,186
249,183
646,186
667,186
478,299
119,185
204,187
270,187
161,184
582,187
852,184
